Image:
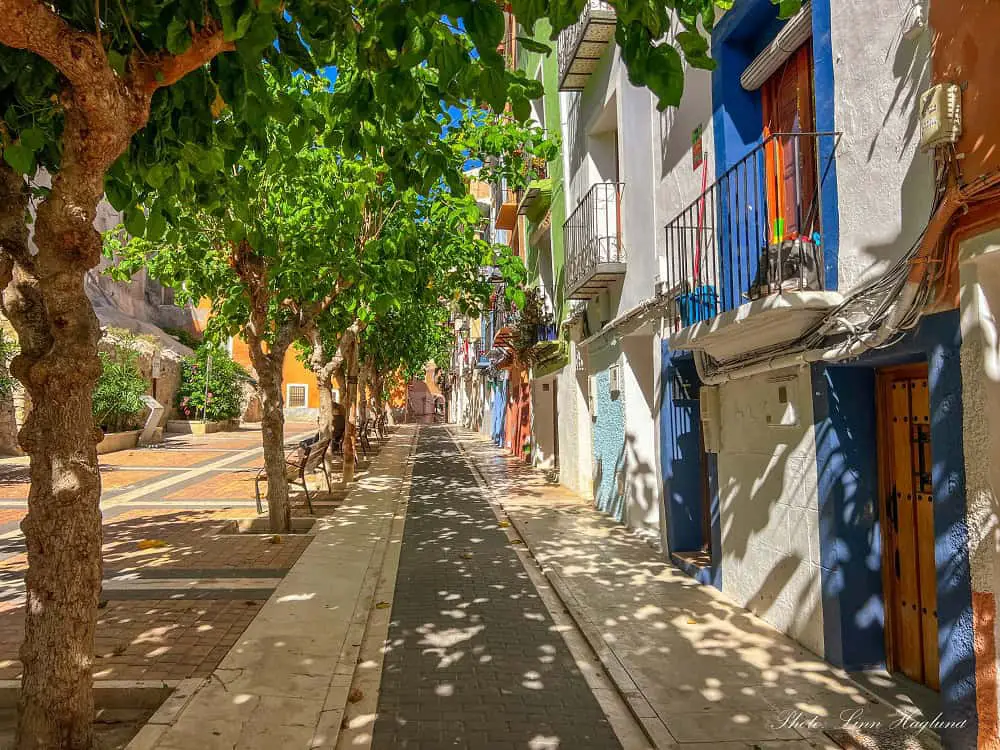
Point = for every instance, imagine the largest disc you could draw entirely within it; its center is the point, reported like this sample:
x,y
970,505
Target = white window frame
x,y
288,392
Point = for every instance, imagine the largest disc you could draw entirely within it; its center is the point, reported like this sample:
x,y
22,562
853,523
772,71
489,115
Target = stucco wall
x,y
769,511
980,280
884,185
678,183
575,447
611,103
642,484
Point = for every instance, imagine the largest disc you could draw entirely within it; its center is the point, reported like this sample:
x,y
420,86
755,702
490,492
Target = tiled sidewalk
x,y
697,670
178,594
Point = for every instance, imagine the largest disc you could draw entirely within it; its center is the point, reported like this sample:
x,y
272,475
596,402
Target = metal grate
x,y
297,396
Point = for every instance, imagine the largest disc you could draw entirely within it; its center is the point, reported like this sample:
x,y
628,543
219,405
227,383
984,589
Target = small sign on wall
x,y
697,152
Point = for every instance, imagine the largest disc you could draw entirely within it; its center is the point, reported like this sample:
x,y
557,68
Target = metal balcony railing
x,y
582,44
756,231
593,234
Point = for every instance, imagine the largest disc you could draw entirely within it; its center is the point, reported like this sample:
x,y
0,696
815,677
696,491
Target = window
x,y
297,395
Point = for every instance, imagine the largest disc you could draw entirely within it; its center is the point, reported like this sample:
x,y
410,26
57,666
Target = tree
x,y
114,97
426,252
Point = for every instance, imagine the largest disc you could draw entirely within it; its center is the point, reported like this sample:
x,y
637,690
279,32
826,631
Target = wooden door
x,y
787,103
909,577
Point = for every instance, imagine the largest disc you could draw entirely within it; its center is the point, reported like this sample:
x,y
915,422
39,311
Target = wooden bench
x,y
304,460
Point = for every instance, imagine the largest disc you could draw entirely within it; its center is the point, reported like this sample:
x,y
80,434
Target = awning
x,y
793,35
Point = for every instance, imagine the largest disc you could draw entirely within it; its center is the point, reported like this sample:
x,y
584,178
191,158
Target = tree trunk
x,y
272,427
323,367
44,298
349,347
45,301
269,365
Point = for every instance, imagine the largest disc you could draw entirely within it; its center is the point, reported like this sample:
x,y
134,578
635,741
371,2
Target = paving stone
x,y
466,666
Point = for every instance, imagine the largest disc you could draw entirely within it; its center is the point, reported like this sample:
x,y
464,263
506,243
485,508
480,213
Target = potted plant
x,y
210,396
118,404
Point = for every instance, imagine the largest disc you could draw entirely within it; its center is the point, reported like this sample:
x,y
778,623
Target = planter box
x,y
119,441
185,427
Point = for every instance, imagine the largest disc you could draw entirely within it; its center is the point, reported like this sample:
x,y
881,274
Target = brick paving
x,y
167,634
16,486
150,639
473,659
168,457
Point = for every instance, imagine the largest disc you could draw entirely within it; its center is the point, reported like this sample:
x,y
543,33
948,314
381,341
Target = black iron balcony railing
x,y
593,233
756,231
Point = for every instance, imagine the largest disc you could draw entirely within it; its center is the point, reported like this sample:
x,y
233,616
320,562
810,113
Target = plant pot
x,y
186,427
118,441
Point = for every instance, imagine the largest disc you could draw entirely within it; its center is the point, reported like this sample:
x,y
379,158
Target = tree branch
x,y
165,69
32,25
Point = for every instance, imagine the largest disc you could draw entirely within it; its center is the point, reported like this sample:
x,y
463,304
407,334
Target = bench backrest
x,y
315,455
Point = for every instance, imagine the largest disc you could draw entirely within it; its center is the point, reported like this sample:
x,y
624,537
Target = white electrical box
x,y
940,115
592,396
711,418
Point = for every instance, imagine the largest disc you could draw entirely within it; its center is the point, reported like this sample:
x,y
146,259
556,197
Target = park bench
x,y
301,462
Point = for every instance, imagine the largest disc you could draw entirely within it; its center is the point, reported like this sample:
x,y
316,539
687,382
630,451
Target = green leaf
x,y
135,221
156,225
788,8
178,36
20,158
32,138
117,61
485,24
157,176
533,45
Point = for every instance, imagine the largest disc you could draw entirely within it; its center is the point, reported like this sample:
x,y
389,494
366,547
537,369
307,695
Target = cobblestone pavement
x,y
177,593
473,658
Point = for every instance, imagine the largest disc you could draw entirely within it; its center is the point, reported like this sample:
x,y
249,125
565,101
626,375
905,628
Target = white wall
x,y
980,307
576,452
678,184
642,483
590,118
884,186
769,510
543,427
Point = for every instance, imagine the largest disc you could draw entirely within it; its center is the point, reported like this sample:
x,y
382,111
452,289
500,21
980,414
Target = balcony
x,y
582,45
744,262
595,256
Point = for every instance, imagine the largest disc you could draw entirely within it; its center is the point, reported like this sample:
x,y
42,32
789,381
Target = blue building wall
x,y
737,122
681,461
844,403
844,411
609,448
498,409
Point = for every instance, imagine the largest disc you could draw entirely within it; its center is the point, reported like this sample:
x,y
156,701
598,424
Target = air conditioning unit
x,y
711,417
615,379
940,115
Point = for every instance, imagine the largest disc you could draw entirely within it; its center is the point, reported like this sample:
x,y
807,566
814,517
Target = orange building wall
x,y
293,371
965,51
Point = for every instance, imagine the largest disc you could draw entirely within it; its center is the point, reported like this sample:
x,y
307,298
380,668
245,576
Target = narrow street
x,y
473,658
